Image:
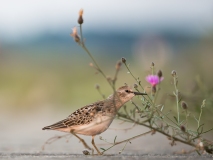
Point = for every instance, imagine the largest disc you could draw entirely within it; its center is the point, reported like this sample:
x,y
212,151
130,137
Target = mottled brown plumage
x,y
95,118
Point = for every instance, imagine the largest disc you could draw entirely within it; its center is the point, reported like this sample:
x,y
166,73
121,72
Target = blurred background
x,y
45,75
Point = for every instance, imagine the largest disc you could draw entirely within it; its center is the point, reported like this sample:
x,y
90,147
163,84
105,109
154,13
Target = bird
x,y
93,119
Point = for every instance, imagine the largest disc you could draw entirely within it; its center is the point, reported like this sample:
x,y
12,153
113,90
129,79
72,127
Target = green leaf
x,y
180,99
175,119
167,113
115,139
182,121
201,130
103,149
162,108
201,126
195,118
134,113
208,130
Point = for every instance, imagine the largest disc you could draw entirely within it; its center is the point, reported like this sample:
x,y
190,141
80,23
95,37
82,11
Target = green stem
x,y
133,76
156,129
114,144
198,123
90,55
201,111
177,99
150,100
207,131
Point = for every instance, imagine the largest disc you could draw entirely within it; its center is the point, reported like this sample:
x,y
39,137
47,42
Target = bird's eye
x,y
127,91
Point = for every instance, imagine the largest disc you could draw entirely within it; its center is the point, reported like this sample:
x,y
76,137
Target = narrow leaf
x,y
199,128
115,139
175,119
195,118
208,130
182,121
162,108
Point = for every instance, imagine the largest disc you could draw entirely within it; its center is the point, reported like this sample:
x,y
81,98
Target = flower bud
x,y
174,73
97,86
135,85
80,18
160,74
183,128
152,64
123,60
184,105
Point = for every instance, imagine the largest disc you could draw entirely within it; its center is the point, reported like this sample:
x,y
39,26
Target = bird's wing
x,y
83,115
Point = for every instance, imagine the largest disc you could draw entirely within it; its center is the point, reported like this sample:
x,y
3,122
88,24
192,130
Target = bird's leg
x,y
84,143
93,143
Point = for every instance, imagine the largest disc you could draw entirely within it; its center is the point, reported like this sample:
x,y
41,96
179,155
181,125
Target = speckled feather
x,y
85,114
99,114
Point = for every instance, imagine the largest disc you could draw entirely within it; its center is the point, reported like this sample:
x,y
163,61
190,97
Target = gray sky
x,y
26,18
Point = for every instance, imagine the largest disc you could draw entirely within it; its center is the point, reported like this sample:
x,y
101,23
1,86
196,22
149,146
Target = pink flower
x,y
153,79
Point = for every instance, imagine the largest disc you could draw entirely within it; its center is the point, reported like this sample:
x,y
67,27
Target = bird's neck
x,y
116,101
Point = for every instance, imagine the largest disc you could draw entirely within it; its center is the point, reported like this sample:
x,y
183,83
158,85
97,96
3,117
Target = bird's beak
x,y
139,93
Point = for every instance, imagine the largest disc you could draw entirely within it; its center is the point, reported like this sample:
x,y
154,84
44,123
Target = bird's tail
x,y
47,127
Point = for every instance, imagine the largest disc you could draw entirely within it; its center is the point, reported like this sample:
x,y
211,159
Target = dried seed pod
x,y
80,18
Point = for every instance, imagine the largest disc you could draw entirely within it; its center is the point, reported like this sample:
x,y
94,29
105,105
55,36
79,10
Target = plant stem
x,y
114,144
177,99
156,129
133,76
90,55
201,111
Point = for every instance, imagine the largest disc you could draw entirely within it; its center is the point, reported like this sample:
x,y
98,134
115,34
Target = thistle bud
x,y
160,74
80,18
184,105
123,60
183,128
135,86
152,64
109,79
174,73
97,86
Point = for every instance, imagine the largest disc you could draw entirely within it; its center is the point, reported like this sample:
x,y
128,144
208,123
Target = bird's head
x,y
125,93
